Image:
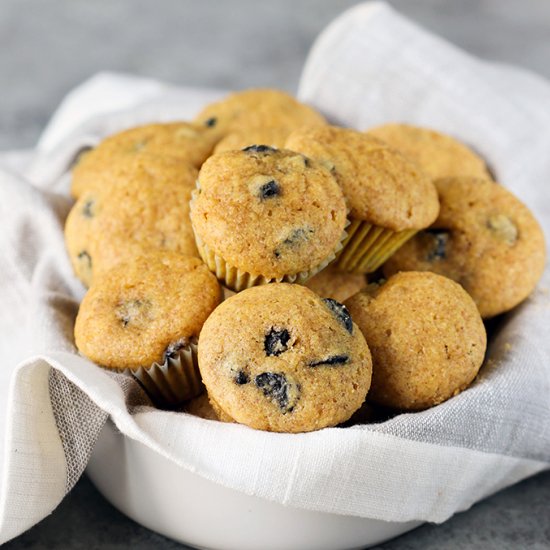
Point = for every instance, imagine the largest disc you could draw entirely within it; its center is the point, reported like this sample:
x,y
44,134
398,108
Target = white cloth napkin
x,y
370,66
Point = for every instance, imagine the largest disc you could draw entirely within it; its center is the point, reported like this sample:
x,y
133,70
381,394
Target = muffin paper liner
x,y
368,246
174,381
237,279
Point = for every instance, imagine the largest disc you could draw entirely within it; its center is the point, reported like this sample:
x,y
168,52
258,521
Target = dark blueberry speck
x,y
439,250
242,378
340,311
87,209
259,149
276,341
298,235
128,311
295,238
269,190
211,122
85,256
332,360
275,386
172,349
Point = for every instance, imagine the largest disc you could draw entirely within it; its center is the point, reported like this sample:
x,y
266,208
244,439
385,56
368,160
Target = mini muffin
x,y
218,411
426,337
439,155
264,214
181,141
257,108
145,316
389,197
200,406
147,209
339,285
485,239
239,138
280,358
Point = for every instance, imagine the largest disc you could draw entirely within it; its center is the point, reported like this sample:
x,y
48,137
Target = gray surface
x,y
47,47
515,519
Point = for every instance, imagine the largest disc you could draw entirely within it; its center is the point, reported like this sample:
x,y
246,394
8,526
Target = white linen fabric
x,y
370,66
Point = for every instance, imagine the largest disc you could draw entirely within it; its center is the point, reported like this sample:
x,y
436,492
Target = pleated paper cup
x,y
368,246
236,279
176,380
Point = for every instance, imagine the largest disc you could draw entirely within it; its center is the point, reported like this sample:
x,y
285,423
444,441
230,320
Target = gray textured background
x,y
49,46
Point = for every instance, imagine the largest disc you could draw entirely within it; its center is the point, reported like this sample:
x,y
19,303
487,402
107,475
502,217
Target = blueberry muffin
x,y
239,138
104,165
145,316
264,214
485,239
279,358
146,210
339,285
437,154
426,337
389,197
256,108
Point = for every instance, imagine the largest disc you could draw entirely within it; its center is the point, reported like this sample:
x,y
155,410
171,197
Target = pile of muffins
x,y
261,266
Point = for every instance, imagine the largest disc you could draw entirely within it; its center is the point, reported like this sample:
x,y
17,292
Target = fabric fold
x,y
368,67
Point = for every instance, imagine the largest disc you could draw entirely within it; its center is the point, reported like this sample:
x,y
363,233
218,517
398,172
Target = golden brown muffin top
x,y
184,142
339,285
268,211
426,337
279,358
243,136
381,186
485,239
147,208
257,107
437,154
141,311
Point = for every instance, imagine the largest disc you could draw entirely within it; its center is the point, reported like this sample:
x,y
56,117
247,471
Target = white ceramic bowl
x,y
181,505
